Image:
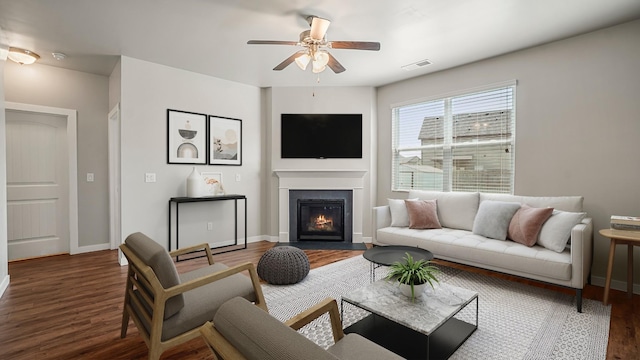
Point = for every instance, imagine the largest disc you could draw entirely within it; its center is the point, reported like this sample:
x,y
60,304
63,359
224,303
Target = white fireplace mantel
x,y
306,173
320,179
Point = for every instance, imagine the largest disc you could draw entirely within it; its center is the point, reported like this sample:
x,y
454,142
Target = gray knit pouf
x,y
282,265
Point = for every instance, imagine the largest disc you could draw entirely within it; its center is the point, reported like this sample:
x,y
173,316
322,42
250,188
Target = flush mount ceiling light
x,y
315,44
22,56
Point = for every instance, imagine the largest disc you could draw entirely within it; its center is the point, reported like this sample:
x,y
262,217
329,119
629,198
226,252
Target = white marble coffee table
x,y
432,327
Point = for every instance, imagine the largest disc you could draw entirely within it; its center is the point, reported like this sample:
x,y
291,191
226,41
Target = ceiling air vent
x,y
417,65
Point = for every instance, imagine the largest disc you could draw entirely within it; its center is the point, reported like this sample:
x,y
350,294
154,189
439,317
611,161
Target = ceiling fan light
x,y
317,70
22,56
321,58
319,28
302,61
317,67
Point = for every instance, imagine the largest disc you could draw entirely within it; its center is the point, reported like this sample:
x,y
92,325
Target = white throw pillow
x,y
493,219
399,214
556,231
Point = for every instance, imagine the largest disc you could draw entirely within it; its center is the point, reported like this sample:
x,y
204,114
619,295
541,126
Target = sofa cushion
x,y
564,203
399,215
423,214
260,336
526,223
154,255
456,210
465,247
556,231
493,219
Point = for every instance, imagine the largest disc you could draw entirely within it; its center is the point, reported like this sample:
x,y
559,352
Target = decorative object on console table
x,y
225,135
186,137
195,184
413,276
213,183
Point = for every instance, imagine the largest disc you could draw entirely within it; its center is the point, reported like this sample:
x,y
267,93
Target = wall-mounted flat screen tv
x,y
321,136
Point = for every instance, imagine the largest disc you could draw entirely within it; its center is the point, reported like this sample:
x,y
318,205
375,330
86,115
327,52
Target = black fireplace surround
x,y
320,215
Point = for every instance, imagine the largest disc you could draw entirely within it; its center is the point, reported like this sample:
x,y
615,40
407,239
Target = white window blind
x,y
458,143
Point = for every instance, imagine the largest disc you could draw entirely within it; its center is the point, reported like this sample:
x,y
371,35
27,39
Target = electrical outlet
x,y
90,177
150,177
238,177
210,226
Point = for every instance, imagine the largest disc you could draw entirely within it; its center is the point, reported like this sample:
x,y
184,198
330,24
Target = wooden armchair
x,y
243,331
168,308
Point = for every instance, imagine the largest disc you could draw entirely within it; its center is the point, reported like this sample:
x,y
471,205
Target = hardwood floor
x,y
70,307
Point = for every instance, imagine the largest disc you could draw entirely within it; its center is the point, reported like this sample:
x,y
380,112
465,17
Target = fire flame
x,y
322,222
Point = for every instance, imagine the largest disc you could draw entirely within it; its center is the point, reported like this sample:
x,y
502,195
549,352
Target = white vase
x,y
418,290
195,184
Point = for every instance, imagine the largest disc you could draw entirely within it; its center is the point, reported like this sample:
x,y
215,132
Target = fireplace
x,y
321,219
320,215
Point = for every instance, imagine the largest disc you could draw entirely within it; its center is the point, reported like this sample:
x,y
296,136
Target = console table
x,y
186,200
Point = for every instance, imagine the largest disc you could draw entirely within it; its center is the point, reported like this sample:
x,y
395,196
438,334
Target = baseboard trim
x,y
4,285
615,284
92,248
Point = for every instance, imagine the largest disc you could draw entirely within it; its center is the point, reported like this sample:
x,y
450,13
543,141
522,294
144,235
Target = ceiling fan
x,y
314,43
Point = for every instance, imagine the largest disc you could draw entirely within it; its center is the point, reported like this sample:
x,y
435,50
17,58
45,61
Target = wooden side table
x,y
616,239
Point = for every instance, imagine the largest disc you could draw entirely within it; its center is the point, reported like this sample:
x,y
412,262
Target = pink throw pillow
x,y
423,214
527,223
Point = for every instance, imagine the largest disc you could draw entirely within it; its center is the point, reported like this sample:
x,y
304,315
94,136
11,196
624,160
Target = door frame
x,y
72,145
115,225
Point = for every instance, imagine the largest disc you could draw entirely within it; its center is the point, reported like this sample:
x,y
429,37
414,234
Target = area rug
x,y
516,321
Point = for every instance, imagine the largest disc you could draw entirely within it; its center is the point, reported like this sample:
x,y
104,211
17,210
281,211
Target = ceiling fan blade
x,y
271,42
334,65
288,60
319,27
356,45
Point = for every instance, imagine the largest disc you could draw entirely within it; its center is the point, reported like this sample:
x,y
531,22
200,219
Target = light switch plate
x,y
90,177
150,177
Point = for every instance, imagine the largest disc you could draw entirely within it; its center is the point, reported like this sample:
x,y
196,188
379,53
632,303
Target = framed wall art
x,y
225,137
186,137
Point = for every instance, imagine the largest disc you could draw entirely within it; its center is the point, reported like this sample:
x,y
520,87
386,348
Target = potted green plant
x,y
413,276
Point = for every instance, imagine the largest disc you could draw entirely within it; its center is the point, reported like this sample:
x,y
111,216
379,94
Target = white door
x,y
37,184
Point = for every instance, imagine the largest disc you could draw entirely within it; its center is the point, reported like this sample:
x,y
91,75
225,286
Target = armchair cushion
x,y
258,335
154,255
202,302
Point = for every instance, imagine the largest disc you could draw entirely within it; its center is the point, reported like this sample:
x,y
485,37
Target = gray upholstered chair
x,y
169,308
243,331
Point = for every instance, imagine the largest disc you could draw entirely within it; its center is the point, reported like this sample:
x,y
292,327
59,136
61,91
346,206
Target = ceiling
x,y
210,36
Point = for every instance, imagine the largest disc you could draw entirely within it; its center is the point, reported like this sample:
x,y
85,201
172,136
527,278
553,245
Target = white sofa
x,y
567,266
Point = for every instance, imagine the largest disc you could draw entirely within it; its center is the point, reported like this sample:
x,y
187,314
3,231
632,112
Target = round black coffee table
x,y
387,255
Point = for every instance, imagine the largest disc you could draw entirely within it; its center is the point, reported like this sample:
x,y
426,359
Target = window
x,y
457,143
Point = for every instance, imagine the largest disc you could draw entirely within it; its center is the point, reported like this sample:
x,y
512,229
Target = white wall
x,y
307,100
88,94
578,124
115,86
148,90
4,258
